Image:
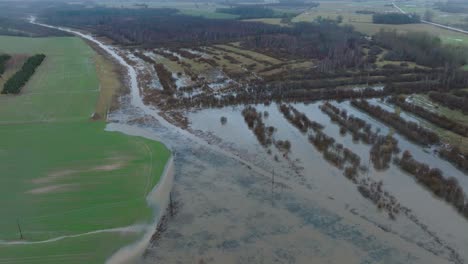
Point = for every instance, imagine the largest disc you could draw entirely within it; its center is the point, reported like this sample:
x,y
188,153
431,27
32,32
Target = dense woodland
x,y
153,27
341,46
21,77
21,28
320,39
395,18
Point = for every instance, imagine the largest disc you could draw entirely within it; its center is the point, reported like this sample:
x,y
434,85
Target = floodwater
x,y
236,204
321,179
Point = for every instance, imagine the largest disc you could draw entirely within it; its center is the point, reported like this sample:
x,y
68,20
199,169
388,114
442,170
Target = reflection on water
x,y
317,177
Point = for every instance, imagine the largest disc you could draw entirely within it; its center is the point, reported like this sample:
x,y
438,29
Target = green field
x,y
61,173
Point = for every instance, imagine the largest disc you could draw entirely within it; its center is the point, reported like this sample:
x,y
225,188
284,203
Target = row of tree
x,y
359,129
438,120
432,178
164,75
395,18
342,158
21,77
451,101
383,147
411,130
249,12
255,123
456,156
259,94
298,119
4,58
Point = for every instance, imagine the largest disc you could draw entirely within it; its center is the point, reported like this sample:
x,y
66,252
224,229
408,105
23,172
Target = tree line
x,y
432,178
383,147
342,158
152,27
21,77
254,121
4,58
436,119
249,12
410,129
395,18
451,101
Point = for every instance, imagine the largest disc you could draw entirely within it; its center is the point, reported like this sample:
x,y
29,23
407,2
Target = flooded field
x,y
239,201
235,200
236,203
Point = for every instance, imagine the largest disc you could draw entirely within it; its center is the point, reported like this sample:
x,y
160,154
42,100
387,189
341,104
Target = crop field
x,y
363,22
69,178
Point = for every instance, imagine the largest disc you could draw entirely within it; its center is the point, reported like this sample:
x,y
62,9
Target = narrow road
x,y
432,23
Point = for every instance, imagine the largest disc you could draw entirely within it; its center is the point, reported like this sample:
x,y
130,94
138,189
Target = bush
x,y
223,120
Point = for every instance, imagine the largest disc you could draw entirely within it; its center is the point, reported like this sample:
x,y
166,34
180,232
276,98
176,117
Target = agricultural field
x,y
80,192
363,22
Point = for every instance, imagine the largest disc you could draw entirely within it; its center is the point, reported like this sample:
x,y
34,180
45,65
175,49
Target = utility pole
x,y
171,206
272,186
273,178
19,228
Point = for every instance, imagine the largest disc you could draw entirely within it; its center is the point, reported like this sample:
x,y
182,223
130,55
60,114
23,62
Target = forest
x,y
156,26
21,28
319,39
21,77
395,18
